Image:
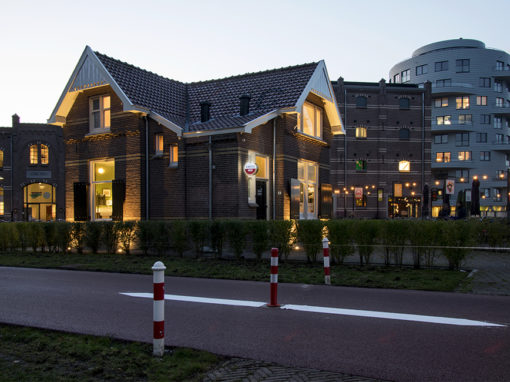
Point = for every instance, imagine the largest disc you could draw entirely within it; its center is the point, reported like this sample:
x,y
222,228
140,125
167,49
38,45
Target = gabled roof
x,y
176,105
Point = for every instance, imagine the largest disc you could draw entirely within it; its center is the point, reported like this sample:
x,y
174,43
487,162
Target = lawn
x,y
246,269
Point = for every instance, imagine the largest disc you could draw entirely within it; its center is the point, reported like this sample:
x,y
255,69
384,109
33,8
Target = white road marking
x,y
326,310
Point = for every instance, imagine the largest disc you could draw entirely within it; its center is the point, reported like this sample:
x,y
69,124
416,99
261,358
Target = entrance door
x,y
261,199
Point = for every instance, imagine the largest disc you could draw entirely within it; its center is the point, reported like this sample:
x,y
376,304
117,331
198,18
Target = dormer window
x,y
311,121
99,113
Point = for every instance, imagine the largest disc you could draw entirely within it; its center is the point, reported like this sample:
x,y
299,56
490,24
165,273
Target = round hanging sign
x,y
250,169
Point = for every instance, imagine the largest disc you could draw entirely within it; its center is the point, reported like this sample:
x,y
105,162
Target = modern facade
x,y
31,172
141,146
470,118
381,167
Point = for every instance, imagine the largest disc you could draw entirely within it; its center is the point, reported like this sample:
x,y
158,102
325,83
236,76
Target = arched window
x,y
404,103
39,154
1,158
34,154
39,202
361,132
361,101
404,134
45,154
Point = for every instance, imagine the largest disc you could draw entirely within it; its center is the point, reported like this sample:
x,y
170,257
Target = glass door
x,y
102,175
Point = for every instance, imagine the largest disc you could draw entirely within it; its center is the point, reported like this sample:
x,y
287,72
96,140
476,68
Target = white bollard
x,y
159,309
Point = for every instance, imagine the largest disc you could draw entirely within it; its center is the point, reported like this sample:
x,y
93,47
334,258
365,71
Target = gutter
x,y
210,177
274,169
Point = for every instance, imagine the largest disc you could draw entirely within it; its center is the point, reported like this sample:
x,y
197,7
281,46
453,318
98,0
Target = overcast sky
x,y
194,40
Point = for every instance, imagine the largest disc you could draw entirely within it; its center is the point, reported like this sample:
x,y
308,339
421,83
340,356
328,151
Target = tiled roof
x,y
180,102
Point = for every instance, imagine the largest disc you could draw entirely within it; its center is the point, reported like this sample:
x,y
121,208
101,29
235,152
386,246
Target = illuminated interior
x,y
103,173
39,202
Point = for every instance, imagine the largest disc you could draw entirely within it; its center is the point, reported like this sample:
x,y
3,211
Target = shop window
x,y
310,122
397,190
173,156
361,102
99,113
404,166
361,132
404,103
39,202
361,201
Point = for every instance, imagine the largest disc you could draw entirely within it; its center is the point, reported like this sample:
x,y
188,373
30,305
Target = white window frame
x,y
159,144
318,113
173,156
306,183
104,114
93,184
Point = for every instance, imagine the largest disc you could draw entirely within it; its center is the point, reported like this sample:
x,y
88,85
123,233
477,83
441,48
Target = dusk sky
x,y
196,40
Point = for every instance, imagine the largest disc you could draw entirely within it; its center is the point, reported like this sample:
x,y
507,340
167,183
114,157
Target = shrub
x,y
260,237
93,235
63,236
497,232
8,237
218,235
78,236
126,232
282,236
309,233
23,229
199,233
179,236
366,232
340,234
35,235
161,237
50,236
394,234
109,236
454,236
236,234
144,235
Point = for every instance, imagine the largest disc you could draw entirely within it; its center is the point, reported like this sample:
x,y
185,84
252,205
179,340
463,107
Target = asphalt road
x,y
91,303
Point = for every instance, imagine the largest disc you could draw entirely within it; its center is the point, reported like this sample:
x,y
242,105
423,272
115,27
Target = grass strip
x,y
28,354
246,269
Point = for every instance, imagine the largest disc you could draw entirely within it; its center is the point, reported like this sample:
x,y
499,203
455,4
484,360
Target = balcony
x,y
452,127
453,164
455,88
501,146
503,109
501,73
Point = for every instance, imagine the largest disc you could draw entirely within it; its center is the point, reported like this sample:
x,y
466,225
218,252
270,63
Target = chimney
x,y
244,104
205,112
15,120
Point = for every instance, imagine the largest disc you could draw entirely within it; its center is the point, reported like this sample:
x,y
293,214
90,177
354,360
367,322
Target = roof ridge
x,y
259,72
138,68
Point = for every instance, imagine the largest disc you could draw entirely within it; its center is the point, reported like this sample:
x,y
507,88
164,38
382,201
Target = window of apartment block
x,y
465,119
481,137
481,100
485,193
361,132
500,138
485,119
500,174
500,102
443,157
485,82
361,165
361,102
443,83
496,194
404,134
173,156
500,65
99,113
404,103
406,75
485,155
396,78
498,122
462,65
397,190
462,175
462,139
444,120
441,66
462,102
159,145
421,69
464,155
404,166
441,139
498,86
441,102
311,121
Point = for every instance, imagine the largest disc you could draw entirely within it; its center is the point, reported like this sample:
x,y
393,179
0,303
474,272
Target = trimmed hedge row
x,y
347,237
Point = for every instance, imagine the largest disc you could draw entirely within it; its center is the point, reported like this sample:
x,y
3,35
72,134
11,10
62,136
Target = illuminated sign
x,y
250,169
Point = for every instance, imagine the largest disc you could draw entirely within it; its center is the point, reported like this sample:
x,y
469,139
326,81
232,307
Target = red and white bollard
x,y
327,273
159,309
274,278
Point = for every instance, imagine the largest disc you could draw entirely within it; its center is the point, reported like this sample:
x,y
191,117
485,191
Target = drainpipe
x,y
423,146
345,149
12,181
274,169
210,177
146,168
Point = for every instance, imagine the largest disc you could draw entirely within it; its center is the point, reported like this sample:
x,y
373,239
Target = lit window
x,y
441,102
1,158
174,156
444,157
158,144
481,100
462,102
34,154
444,120
2,210
464,155
361,132
45,158
404,166
262,173
361,165
99,113
311,121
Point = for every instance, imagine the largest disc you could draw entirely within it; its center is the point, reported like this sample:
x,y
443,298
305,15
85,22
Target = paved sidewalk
x,y
237,369
490,272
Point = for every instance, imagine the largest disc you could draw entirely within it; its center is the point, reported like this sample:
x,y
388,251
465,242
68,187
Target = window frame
x,y
462,102
481,137
317,126
462,65
361,132
485,156
443,157
173,155
481,100
103,111
441,66
159,144
440,102
423,69
464,156
484,82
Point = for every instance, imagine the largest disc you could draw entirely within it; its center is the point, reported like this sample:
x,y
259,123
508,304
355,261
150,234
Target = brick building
x,y
141,146
31,174
381,167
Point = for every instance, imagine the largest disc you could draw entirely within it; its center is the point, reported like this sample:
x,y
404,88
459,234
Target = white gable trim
x,y
320,85
165,122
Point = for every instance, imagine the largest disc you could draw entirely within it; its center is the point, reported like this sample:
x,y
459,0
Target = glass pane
x,y
318,126
103,200
301,171
312,173
106,102
308,119
106,118
104,170
96,120
44,154
262,166
311,199
95,104
33,154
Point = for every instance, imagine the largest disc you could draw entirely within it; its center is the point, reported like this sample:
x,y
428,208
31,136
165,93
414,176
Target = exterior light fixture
x,y
485,177
502,175
100,170
437,182
373,185
462,180
407,184
475,177
414,184
337,191
413,193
